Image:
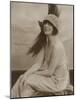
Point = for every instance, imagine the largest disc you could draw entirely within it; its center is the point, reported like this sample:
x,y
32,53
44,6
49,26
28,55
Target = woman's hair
x,y
41,41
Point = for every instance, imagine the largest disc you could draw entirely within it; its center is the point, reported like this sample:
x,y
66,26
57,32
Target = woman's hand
x,y
44,66
33,69
43,73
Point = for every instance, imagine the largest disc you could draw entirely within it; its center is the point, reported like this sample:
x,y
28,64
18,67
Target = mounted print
x,y
42,49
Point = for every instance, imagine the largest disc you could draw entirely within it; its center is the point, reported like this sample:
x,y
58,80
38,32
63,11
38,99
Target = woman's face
x,y
48,29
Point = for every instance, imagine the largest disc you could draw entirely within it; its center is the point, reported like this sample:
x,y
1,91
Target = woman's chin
x,y
47,33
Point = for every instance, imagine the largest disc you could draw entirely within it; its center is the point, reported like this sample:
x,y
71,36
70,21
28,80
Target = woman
x,y
50,72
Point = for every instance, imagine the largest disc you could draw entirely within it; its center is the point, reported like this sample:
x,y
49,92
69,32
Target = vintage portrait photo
x,y
42,49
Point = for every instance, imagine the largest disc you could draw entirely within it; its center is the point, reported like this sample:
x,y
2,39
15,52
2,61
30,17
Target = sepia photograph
x,y
42,49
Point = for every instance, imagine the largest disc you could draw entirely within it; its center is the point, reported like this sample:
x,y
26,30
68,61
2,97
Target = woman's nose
x,y
46,26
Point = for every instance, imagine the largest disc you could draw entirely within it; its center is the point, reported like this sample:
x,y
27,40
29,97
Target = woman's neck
x,y
51,39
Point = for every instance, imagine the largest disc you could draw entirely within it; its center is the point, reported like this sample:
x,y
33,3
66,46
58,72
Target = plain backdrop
x,y
5,49
25,28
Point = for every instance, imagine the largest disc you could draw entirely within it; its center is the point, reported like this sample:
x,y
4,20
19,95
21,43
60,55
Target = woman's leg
x,y
41,83
20,90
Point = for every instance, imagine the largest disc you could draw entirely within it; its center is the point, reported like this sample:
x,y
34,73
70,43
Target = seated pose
x,y
50,71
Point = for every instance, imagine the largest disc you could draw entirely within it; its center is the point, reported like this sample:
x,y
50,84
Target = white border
x,y
5,47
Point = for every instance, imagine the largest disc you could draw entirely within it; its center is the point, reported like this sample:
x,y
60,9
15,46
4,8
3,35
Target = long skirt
x,y
35,83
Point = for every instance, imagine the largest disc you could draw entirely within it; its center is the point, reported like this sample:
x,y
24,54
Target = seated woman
x,y
50,72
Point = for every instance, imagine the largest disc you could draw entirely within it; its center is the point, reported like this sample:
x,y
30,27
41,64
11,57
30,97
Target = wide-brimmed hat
x,y
52,19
